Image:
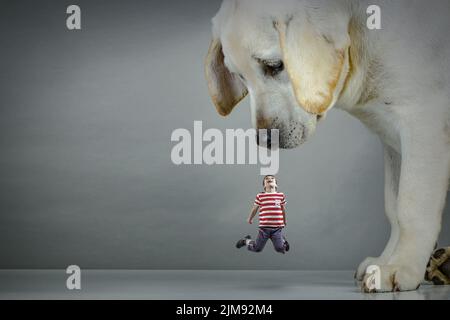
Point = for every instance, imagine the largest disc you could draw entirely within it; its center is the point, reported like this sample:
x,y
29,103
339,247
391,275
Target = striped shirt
x,y
270,211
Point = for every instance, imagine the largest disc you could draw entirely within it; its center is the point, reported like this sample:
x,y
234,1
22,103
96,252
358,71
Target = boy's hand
x,y
250,221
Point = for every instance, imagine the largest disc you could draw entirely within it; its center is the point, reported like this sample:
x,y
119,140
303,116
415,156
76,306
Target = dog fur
x,y
395,80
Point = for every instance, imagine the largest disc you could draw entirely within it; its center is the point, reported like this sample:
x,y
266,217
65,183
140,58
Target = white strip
x,y
265,206
268,201
265,217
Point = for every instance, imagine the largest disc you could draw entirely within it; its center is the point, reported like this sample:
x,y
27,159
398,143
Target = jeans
x,y
274,234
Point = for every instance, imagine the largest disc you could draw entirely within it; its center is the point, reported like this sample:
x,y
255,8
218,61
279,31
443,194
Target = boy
x,y
272,218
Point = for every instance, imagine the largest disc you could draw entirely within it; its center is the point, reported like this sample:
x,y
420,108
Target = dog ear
x,y
316,63
225,88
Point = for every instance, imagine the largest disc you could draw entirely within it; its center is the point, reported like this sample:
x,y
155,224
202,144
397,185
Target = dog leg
x,y
421,198
392,161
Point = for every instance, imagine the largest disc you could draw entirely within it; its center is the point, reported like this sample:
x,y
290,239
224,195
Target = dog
x,y
297,59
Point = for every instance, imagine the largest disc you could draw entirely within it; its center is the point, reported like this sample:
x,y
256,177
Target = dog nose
x,y
264,138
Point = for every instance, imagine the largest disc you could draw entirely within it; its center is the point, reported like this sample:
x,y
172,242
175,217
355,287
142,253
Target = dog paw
x,y
361,271
392,278
438,268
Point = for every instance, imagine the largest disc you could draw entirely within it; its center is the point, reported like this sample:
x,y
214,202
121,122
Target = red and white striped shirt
x,y
270,211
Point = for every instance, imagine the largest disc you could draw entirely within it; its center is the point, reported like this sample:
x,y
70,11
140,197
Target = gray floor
x,y
198,284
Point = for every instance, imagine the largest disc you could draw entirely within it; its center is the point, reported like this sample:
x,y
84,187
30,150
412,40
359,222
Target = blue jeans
x,y
264,234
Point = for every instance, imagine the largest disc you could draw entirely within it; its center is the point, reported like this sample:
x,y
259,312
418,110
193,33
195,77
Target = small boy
x,y
272,218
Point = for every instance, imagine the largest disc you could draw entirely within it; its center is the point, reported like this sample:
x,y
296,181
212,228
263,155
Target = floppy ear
x,y
317,65
225,88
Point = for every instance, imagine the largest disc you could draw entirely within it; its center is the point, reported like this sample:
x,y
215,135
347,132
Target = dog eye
x,y
272,68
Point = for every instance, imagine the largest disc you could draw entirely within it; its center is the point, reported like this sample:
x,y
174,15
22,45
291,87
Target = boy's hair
x,y
264,180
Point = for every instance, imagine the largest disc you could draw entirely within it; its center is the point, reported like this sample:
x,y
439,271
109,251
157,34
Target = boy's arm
x,y
284,213
283,208
253,213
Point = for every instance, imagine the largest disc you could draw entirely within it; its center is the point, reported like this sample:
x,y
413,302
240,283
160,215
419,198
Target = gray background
x,y
85,171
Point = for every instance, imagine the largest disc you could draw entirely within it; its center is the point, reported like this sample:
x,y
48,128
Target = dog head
x,y
290,56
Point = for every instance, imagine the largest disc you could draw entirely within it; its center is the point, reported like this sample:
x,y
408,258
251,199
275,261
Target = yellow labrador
x,y
297,59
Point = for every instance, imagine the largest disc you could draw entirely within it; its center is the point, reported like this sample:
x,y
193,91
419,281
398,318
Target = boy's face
x,y
270,182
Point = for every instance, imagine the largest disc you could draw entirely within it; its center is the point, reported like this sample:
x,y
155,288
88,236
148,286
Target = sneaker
x,y
242,242
286,245
438,267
